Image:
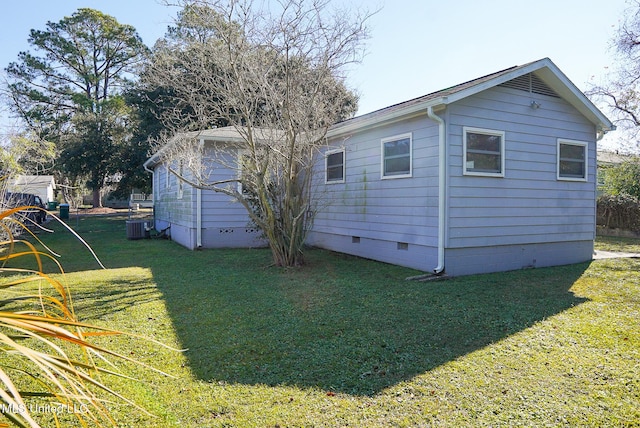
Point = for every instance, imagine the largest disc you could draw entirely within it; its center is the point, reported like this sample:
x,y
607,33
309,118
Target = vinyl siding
x,y
225,222
168,206
529,204
218,209
381,212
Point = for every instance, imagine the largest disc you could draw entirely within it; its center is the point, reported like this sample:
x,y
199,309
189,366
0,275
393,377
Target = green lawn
x,y
613,243
349,342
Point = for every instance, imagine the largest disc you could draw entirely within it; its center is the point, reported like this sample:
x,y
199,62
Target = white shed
x,y
41,185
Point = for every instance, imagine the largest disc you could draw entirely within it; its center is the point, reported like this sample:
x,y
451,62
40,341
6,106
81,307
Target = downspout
x,y
153,190
199,209
442,163
198,218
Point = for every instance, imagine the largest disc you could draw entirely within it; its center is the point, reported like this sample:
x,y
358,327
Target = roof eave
x,y
385,116
559,82
544,68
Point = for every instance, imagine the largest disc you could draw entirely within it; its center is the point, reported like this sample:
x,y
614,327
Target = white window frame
x,y
585,148
168,178
241,153
382,157
492,132
326,166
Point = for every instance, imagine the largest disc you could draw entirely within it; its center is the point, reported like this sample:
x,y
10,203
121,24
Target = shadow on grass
x,y
344,324
116,297
340,324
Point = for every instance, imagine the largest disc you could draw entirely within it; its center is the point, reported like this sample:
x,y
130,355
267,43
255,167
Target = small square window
x,y
397,156
335,166
572,160
483,152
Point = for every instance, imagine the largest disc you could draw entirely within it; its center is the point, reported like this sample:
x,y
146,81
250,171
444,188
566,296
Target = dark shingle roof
x,y
544,69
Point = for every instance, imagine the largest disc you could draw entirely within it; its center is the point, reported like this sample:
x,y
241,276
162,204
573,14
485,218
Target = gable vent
x,y
530,83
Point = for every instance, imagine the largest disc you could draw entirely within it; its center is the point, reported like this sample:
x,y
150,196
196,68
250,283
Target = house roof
x,y
611,158
35,180
545,70
227,134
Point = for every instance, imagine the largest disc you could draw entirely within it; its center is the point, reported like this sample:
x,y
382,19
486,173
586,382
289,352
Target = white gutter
x,y
442,155
147,169
385,116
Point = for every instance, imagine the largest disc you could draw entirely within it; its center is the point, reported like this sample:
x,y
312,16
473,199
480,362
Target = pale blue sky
x,y
417,46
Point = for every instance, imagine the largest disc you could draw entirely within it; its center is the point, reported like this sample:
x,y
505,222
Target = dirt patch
x,y
98,211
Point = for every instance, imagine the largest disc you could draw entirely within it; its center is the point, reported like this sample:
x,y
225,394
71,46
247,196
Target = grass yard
x,y
613,243
348,342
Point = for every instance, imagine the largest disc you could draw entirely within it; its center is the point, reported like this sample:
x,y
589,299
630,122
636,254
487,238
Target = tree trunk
x,y
97,200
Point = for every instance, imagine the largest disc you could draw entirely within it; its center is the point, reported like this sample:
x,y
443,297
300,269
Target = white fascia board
x,y
559,82
221,135
517,72
384,116
548,72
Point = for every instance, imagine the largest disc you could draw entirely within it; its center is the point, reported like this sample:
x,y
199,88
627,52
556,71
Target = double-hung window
x,y
483,152
572,160
397,156
334,166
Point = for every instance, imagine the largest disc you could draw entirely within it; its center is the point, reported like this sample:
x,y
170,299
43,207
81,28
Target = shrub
x,y
623,179
619,212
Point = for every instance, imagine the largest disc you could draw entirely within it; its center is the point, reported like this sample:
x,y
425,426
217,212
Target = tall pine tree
x,y
69,91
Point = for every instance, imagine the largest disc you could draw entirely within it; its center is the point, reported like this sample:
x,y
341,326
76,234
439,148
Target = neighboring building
x,y
494,174
606,160
43,186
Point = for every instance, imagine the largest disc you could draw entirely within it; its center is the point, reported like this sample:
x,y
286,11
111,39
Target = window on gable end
x,y
334,166
483,151
397,156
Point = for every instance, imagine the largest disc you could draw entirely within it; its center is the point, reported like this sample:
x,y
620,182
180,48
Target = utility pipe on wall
x,y
442,163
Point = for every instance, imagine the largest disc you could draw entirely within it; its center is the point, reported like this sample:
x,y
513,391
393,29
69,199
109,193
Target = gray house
x,y
494,174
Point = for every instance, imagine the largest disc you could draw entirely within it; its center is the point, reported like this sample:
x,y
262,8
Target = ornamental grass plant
x,y
52,368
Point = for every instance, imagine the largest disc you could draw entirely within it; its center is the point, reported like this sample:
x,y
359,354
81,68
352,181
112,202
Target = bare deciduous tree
x,y
621,92
275,72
